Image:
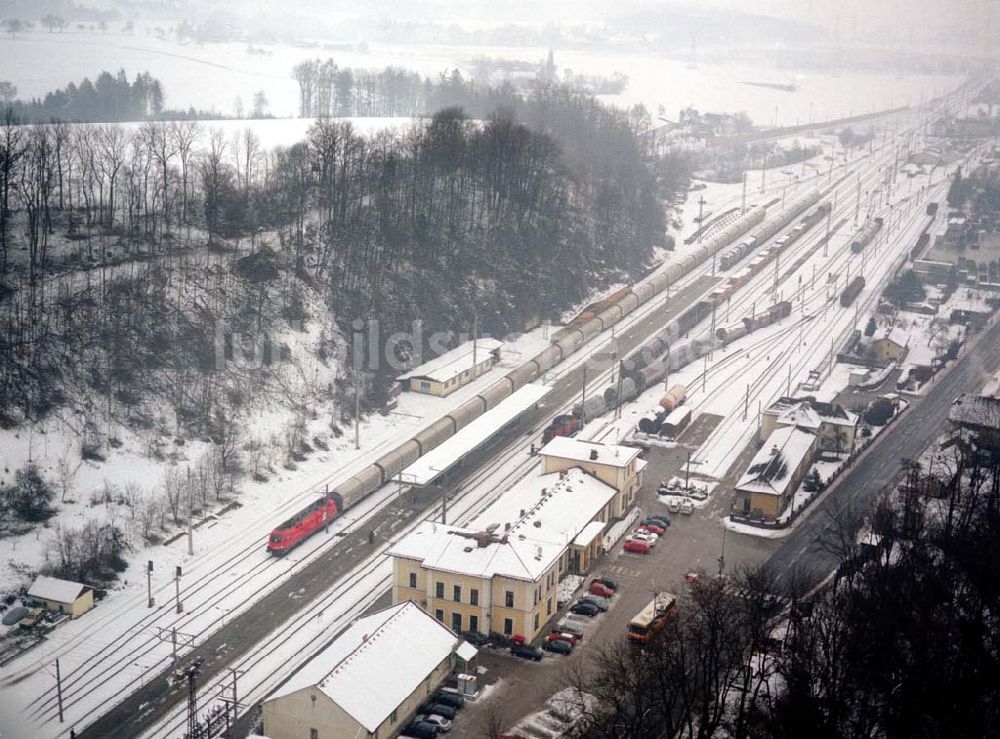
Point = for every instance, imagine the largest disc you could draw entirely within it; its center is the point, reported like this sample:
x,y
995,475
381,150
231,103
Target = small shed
x,y
62,596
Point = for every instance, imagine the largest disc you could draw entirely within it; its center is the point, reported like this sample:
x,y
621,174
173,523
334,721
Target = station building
x,y
500,573
453,369
767,487
62,596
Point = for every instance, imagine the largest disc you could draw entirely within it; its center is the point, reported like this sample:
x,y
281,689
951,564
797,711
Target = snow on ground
x,y
745,528
211,76
567,587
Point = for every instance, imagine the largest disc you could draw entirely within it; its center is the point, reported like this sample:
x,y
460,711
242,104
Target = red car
x,y
599,588
636,546
562,636
653,529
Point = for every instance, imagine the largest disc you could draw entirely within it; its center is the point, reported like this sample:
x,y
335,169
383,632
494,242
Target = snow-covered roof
x,y
590,532
772,468
520,536
898,336
455,362
372,667
52,588
466,651
801,415
810,413
975,410
443,456
677,415
578,450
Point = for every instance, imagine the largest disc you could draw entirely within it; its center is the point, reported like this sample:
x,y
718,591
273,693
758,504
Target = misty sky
x,y
953,21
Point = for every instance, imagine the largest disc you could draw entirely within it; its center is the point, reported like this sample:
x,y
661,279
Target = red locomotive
x,y
561,426
305,523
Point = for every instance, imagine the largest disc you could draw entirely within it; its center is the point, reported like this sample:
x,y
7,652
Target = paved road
x,y
907,438
151,702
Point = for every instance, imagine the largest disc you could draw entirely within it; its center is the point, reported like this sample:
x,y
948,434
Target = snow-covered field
x,y
210,77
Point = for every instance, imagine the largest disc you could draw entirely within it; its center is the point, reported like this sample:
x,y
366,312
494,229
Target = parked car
x,y
607,582
599,588
452,700
433,706
636,546
443,724
562,636
475,638
14,615
35,616
565,628
653,528
527,652
673,505
687,507
558,646
582,608
661,521
601,603
692,578
421,730
644,536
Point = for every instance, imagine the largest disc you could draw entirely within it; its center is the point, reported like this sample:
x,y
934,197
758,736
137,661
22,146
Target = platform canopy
x,y
441,458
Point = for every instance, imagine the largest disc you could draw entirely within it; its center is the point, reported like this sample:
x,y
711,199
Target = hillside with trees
x,y
139,265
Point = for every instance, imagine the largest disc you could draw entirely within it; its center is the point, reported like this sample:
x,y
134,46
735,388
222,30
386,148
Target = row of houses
x,y
498,575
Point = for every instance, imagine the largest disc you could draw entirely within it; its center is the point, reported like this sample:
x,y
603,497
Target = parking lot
x,y
517,687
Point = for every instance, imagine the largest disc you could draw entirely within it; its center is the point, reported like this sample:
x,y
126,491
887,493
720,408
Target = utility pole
x,y
357,409
191,674
857,205
618,393
763,171
704,375
743,204
583,397
701,223
711,333
475,339
826,241
59,690
177,584
149,584
687,471
722,556
746,403
190,515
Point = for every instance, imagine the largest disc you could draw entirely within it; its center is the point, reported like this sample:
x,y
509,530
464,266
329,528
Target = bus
x,y
651,619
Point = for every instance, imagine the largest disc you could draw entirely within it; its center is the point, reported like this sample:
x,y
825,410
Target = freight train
x,y
865,235
752,323
634,382
564,342
772,252
742,250
852,290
